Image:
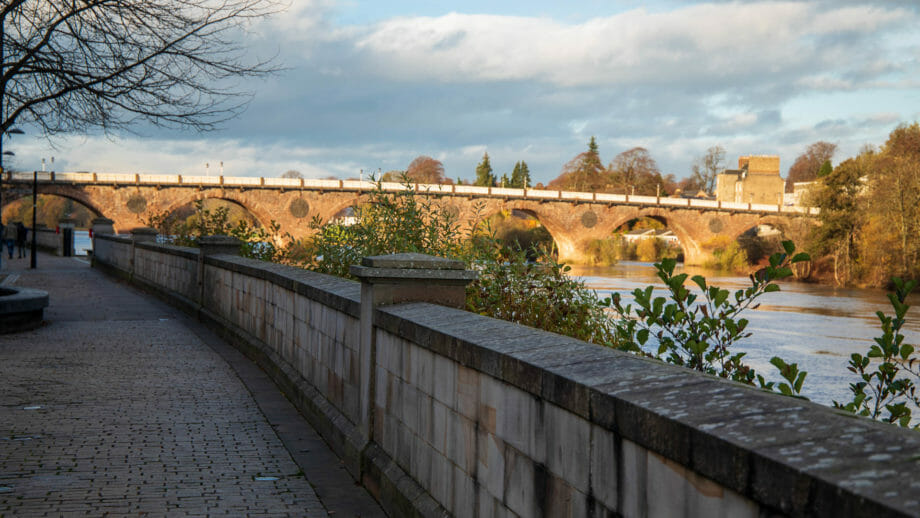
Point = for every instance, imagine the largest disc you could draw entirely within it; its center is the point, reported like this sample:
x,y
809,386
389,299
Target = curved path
x,y
121,405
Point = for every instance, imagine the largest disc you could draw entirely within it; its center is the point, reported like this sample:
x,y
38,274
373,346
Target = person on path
x,y
9,237
21,234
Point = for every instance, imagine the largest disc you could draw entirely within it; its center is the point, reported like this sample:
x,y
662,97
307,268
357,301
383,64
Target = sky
x,y
370,85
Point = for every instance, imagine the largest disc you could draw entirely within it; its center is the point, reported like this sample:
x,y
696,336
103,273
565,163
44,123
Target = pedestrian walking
x,y
9,237
22,233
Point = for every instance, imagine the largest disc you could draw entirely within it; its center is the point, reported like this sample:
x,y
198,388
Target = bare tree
x,y
291,173
707,167
78,64
634,171
806,166
425,169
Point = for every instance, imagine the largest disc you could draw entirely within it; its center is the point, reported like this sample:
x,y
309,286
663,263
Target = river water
x,y
816,326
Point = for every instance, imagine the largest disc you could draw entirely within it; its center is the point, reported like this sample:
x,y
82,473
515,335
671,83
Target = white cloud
x,y
705,42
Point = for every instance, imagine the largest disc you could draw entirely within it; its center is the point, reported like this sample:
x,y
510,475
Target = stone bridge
x,y
572,218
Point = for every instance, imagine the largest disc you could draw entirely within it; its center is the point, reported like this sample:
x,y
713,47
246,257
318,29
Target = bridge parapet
x,y
470,409
162,181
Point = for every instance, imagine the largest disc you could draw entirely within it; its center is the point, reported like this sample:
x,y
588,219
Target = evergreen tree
x,y
585,172
826,169
484,176
525,176
505,181
516,176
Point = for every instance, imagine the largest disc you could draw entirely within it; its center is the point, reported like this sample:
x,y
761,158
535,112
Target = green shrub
x,y
603,251
890,370
258,242
647,249
698,330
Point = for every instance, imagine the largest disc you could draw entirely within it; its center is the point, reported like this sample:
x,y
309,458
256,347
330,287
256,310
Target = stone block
x,y
464,493
568,446
467,392
604,466
423,369
674,490
633,486
461,441
441,481
439,428
445,380
491,465
408,412
520,489
514,415
425,417
423,459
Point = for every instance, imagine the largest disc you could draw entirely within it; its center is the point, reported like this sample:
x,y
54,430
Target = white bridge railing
x,y
163,180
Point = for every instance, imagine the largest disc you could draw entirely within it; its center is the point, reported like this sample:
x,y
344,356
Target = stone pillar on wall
x,y
213,245
101,226
394,279
141,235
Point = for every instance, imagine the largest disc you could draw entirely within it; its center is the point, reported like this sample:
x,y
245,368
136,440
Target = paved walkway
x,y
121,405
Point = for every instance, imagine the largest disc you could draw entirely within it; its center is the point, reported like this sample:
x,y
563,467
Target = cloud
x,y
704,43
755,77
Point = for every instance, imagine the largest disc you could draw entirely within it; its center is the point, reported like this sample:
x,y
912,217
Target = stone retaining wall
x,y
473,416
47,239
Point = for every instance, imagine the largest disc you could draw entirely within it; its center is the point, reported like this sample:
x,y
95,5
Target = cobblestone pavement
x,y
117,407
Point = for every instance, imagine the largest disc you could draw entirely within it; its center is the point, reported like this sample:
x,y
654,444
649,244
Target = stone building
x,y
756,180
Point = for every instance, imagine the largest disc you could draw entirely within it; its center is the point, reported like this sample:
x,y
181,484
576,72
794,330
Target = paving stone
x,y
136,413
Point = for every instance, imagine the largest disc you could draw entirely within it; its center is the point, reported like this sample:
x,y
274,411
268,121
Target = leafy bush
x,y
604,251
727,254
647,249
258,242
537,294
391,222
699,335
890,370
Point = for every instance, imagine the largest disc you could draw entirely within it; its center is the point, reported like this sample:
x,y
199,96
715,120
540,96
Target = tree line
x,y
869,226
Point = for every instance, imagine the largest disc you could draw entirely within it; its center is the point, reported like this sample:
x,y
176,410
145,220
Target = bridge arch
x,y
62,191
692,247
230,197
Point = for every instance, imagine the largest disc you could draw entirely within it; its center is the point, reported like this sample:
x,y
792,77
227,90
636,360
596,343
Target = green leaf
x,y
789,247
802,256
700,281
770,288
642,336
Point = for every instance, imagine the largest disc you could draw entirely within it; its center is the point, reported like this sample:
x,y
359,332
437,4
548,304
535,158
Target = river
x,y
816,326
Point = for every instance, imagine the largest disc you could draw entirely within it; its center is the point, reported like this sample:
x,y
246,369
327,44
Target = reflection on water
x,y
816,326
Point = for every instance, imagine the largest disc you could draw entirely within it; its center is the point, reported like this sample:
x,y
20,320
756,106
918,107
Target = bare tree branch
x,y
72,65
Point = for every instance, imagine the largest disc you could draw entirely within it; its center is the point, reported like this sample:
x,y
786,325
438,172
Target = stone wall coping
x,y
412,260
188,252
340,294
116,238
144,231
378,274
219,240
793,455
